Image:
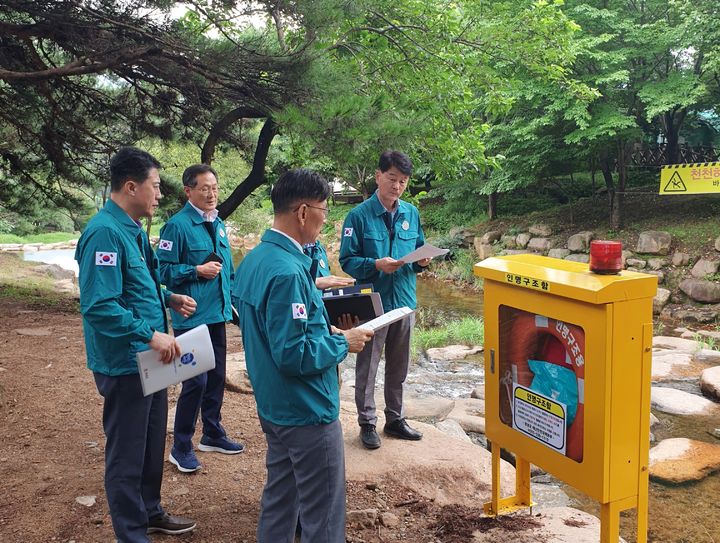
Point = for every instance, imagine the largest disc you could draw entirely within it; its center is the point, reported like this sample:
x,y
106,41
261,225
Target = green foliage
x,y
50,237
465,331
459,267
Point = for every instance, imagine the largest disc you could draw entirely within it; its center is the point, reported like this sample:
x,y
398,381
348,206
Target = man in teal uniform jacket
x,y
123,309
323,277
376,235
195,259
292,355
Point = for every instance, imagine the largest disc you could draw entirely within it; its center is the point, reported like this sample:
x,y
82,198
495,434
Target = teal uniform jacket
x,y
184,244
365,238
317,252
121,300
291,355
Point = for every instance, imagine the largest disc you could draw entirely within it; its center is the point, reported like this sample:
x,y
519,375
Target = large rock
x,y
522,240
469,413
669,342
236,375
670,364
540,245
452,428
657,263
483,250
702,315
452,352
580,242
578,257
704,267
660,300
678,402
654,242
558,253
541,230
680,259
421,407
717,244
701,290
637,263
491,237
438,467
707,356
679,460
710,382
508,241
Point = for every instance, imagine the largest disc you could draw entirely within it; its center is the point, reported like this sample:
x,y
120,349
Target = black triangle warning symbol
x,y
675,184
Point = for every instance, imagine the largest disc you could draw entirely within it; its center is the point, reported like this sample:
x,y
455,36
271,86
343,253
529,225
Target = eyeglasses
x,y
325,209
206,190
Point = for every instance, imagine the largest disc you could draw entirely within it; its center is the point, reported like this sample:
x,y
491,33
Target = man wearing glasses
x,y
195,259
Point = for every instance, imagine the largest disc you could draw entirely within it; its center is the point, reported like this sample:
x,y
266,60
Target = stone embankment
x,y
688,285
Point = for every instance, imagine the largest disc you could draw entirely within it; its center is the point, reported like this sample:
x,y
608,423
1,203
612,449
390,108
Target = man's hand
x,y
184,305
208,270
388,264
333,281
424,262
357,338
345,322
166,345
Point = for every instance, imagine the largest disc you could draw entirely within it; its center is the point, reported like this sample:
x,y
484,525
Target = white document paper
x,y
196,357
387,318
426,251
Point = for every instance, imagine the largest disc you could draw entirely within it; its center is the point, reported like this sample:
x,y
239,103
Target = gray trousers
x,y
396,340
305,479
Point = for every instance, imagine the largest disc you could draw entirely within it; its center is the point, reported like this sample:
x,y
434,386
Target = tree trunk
x,y
216,132
606,168
492,205
673,138
256,177
617,216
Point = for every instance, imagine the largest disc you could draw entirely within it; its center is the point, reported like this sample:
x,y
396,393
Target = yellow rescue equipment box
x,y
567,380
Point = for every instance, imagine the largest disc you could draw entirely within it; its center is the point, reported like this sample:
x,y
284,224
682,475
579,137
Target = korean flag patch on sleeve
x,y
348,232
105,259
165,245
299,311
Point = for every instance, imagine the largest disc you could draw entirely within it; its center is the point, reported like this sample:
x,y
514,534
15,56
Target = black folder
x,y
363,306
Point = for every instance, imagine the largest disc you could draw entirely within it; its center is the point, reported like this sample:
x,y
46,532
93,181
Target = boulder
x,y
452,352
422,407
483,250
701,315
236,375
515,252
712,334
452,428
707,356
669,342
625,255
678,402
660,299
541,230
491,237
710,382
680,259
657,263
578,257
679,460
580,242
540,245
701,290
522,240
508,241
478,392
636,263
704,267
670,363
469,413
657,273
717,244
654,242
558,253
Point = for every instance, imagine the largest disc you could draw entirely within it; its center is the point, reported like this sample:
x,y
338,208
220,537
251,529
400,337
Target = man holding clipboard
x,y
195,259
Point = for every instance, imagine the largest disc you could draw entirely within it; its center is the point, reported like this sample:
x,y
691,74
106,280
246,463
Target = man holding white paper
x,y
376,235
123,309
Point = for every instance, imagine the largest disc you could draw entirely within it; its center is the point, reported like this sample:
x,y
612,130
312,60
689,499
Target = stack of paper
x,y
387,318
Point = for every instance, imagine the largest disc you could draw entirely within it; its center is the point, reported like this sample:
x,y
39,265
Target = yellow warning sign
x,y
702,178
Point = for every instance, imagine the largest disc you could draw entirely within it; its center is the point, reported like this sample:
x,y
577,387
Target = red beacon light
x,y
606,257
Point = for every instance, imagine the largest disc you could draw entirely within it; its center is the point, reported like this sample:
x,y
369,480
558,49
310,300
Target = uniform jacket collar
x,y
283,242
379,209
121,216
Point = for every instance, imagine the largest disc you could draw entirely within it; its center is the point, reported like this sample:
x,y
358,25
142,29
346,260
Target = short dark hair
x,y
191,173
296,186
395,158
130,163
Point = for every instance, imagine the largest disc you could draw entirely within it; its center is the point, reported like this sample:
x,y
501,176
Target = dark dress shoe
x,y
168,524
399,428
369,437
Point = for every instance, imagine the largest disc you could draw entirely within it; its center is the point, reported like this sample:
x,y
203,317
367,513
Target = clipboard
x,y
196,357
363,306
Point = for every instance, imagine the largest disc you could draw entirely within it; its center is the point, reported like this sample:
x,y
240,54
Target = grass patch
x,y
459,267
50,237
21,283
465,331
706,342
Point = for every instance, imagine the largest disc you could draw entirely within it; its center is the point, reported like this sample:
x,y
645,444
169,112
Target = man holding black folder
x,y
376,235
195,259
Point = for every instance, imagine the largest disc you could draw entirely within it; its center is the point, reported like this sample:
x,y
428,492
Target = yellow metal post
x,y
609,522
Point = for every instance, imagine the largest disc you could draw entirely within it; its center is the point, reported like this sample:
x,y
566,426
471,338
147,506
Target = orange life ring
x,y
534,337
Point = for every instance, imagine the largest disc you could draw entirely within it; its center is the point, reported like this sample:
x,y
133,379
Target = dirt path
x,y
51,452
